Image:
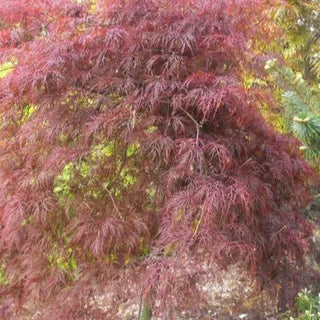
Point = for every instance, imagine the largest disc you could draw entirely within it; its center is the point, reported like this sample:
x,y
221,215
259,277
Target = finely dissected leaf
x,y
133,159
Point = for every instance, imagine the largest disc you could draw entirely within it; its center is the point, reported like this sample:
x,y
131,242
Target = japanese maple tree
x,y
133,160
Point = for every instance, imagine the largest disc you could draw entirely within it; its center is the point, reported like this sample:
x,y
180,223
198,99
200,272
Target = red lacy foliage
x,y
211,182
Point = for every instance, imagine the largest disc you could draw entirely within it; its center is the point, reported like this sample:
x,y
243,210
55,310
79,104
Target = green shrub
x,y
307,306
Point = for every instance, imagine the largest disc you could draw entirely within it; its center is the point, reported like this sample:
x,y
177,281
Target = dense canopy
x,y
134,160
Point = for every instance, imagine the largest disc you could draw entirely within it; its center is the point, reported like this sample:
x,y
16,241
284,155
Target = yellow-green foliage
x,y
300,44
126,174
64,260
28,111
274,119
62,187
3,279
6,68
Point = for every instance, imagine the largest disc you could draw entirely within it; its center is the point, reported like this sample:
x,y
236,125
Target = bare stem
x,y
114,203
198,126
198,224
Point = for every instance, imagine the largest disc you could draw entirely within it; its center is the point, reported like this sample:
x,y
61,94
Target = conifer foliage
x,y
301,104
133,160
